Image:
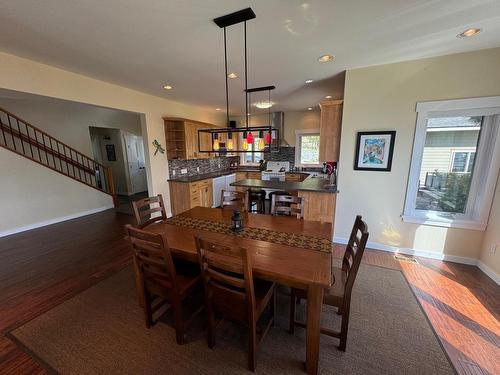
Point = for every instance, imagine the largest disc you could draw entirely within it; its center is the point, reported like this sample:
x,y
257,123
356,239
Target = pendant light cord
x,y
227,84
246,73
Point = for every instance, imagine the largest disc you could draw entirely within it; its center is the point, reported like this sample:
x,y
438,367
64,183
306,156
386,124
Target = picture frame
x,y
374,151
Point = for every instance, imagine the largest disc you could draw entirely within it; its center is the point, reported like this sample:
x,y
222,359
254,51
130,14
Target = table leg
x,y
314,304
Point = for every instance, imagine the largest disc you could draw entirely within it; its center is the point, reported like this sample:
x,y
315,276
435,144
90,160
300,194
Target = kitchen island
x,y
319,197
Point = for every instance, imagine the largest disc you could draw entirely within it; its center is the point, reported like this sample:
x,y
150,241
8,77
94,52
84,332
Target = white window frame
x,y
466,150
243,154
298,150
486,169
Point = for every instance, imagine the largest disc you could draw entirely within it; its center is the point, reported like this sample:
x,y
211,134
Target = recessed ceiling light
x,y
248,114
328,97
168,87
468,33
264,105
232,75
309,81
325,58
309,109
217,109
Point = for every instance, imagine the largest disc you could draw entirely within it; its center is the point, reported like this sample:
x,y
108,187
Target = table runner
x,y
289,239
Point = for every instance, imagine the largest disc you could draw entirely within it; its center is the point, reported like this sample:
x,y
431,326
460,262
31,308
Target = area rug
x,y
102,331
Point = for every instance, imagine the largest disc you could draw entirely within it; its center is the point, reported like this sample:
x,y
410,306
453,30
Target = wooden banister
x,y
42,148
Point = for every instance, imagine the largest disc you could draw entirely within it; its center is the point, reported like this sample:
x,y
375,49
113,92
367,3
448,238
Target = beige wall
x,y
492,236
294,120
384,98
28,76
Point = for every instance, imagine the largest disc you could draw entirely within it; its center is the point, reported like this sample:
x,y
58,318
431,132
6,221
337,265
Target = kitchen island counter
x,y
309,184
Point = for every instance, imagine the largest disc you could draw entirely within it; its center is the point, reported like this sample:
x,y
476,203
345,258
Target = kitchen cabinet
x,y
241,176
181,138
254,175
295,177
184,196
330,130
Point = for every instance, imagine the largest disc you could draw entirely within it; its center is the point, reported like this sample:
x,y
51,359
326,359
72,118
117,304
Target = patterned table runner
x,y
289,239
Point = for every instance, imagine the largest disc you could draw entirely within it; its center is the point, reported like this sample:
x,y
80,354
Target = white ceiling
x,y
146,44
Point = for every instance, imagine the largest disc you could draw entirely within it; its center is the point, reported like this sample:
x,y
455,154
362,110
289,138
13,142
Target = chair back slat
x,y
354,252
145,211
151,256
226,271
235,200
287,205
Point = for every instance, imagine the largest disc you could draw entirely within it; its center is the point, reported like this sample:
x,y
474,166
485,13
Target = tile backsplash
x,y
205,165
284,154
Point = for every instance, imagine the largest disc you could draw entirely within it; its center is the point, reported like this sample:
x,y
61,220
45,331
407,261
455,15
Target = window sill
x,y
445,223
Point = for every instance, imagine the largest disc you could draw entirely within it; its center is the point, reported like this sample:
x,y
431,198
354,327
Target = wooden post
x,y
111,185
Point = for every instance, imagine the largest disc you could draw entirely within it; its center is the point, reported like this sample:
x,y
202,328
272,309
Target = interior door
x,y
135,161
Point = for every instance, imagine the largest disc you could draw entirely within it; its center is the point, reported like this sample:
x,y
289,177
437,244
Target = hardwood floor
x,y
41,268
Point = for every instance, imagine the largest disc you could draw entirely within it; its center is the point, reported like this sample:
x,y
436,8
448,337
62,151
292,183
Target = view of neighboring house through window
x,y
448,163
307,148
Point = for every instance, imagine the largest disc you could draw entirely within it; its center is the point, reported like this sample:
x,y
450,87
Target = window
x,y
307,148
251,158
454,163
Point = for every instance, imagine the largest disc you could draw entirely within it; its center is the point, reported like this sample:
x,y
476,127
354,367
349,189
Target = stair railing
x,y
27,140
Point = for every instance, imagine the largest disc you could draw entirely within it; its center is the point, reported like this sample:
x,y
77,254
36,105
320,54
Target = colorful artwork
x,y
374,150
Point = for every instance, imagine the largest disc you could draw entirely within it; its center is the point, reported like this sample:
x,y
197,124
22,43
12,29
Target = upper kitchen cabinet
x,y
181,138
330,129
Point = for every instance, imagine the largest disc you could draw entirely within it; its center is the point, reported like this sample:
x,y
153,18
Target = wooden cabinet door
x,y
330,128
191,134
205,141
254,175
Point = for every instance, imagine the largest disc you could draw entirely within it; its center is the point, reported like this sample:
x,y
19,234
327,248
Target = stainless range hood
x,y
278,122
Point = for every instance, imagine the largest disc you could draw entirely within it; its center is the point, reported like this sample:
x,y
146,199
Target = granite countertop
x,y
309,184
203,176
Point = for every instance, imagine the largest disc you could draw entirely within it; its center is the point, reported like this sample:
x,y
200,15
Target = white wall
x,y
32,195
492,238
32,77
384,98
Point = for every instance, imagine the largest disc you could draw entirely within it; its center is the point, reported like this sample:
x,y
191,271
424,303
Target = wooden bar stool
x,y
256,201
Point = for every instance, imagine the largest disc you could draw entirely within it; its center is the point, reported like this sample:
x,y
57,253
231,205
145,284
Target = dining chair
x,y
236,200
145,210
339,294
159,283
287,205
233,293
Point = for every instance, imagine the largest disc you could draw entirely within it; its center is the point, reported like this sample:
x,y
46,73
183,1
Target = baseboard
x,y
54,221
428,254
489,272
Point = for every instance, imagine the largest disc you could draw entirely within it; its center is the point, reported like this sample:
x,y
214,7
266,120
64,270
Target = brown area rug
x,y
101,331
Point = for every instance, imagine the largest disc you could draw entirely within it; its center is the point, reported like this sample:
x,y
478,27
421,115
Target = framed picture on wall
x,y
374,151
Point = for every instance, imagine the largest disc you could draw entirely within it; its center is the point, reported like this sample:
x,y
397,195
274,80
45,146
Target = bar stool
x,y
273,193
256,200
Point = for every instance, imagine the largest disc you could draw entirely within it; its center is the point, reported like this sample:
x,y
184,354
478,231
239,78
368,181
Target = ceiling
x,y
149,43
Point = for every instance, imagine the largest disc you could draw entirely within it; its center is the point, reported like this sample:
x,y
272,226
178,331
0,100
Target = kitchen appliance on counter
x,y
276,171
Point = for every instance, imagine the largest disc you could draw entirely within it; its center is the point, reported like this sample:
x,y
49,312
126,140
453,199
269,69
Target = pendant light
x,y
244,146
215,145
261,144
229,143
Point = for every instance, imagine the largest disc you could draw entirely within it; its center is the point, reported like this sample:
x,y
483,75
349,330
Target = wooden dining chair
x,y
235,200
339,295
233,293
287,205
158,281
145,211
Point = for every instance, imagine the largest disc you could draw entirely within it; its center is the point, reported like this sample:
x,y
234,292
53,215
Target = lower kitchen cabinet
x,y
186,195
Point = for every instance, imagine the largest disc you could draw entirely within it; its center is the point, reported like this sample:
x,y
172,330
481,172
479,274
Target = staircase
x,y
25,139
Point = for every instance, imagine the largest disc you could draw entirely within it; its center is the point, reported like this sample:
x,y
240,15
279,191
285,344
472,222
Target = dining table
x,y
290,251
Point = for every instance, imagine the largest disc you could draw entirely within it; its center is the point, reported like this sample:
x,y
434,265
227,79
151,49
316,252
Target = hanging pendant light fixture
x,y
249,132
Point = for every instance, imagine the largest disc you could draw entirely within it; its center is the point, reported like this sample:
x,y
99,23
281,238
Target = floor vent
x,y
403,258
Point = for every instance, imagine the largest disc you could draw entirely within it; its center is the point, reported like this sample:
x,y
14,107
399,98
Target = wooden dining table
x,y
275,257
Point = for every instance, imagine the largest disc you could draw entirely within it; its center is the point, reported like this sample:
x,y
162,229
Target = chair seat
x,y
334,295
187,276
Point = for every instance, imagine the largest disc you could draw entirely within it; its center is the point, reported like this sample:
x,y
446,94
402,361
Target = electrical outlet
x,y
493,248
197,169
173,172
218,165
184,171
